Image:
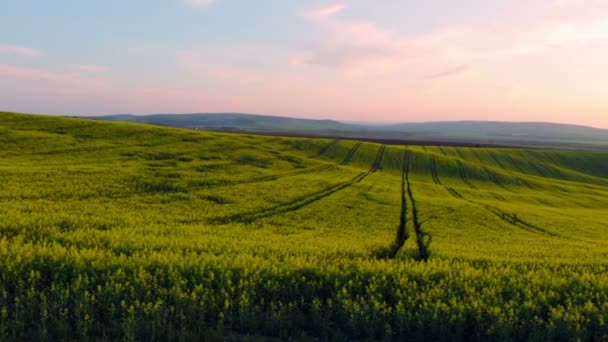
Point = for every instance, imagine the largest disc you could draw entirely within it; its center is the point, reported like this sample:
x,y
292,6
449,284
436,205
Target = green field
x,y
129,231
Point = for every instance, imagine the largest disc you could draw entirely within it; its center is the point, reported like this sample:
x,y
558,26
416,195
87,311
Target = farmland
x,y
130,231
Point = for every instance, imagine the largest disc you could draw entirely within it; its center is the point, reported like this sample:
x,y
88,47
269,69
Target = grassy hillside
x,y
461,133
129,231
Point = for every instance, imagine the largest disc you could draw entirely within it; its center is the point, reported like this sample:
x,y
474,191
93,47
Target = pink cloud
x,y
20,51
459,69
365,48
87,68
68,81
327,11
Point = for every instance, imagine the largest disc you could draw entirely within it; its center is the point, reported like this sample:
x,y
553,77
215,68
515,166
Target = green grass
x,y
127,231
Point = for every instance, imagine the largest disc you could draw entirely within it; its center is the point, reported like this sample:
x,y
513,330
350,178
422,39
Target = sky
x,y
358,60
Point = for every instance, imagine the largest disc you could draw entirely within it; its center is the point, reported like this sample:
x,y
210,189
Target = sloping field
x,y
127,231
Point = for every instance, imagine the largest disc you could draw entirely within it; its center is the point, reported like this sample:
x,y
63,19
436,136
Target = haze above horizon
x,y
398,61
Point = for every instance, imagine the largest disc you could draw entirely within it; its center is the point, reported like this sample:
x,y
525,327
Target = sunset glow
x,y
389,61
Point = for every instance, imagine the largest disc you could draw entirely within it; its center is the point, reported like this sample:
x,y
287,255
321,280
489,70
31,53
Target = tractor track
x,y
463,175
324,149
423,239
494,178
514,220
509,218
302,201
516,165
351,154
402,234
434,171
269,178
378,161
497,161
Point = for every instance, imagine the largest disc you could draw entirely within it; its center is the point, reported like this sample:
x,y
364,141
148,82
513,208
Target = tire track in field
x,y
497,161
519,169
538,170
378,161
423,239
269,178
463,174
324,149
494,178
434,171
301,201
351,154
514,220
515,164
509,218
402,234
459,153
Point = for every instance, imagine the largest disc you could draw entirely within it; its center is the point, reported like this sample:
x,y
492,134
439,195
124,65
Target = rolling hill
x,y
133,231
547,135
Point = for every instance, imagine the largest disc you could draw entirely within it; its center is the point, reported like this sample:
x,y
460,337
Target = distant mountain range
x,y
484,133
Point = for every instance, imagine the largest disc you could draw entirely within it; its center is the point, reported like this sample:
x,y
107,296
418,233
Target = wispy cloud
x,y
198,3
363,47
327,11
20,51
67,80
459,69
87,67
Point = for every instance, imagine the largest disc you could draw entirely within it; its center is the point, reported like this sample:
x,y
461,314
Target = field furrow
x,y
324,149
351,154
296,204
226,183
463,175
423,239
402,235
509,218
434,172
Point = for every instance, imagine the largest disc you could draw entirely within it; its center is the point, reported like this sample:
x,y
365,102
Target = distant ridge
x,y
523,134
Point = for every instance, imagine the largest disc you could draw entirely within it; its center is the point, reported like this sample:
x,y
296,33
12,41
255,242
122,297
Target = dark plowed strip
x,y
434,171
324,149
463,175
442,151
350,154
